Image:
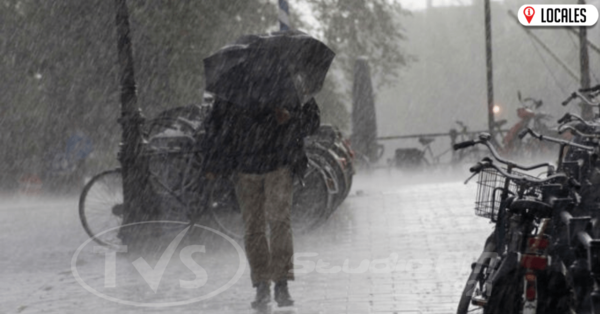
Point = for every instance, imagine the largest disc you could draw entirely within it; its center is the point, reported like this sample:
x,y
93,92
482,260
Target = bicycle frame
x,y
183,147
185,177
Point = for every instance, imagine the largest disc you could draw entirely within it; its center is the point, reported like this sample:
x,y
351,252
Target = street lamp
x,y
133,167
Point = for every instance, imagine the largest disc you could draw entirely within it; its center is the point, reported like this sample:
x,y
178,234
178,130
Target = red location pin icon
x,y
528,12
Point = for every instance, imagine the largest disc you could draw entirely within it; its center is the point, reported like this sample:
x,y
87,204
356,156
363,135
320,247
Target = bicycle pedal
x,y
479,301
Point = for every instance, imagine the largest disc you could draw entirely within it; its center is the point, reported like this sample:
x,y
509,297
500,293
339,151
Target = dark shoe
x,y
282,295
263,296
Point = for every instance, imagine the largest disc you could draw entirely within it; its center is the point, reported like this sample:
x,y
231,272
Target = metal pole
x,y
489,67
584,61
131,119
284,15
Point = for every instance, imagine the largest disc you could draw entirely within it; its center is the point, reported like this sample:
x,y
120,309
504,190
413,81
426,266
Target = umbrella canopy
x,y
277,69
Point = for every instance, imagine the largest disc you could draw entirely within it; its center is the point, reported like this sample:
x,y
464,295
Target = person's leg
x,y
278,201
249,189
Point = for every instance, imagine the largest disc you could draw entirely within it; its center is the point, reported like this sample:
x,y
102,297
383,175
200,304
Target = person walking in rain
x,y
263,149
264,107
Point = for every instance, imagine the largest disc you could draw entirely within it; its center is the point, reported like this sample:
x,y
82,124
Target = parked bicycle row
x,y
180,191
510,145
544,253
424,158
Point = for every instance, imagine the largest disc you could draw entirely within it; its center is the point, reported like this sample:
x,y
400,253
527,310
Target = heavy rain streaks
x,y
124,178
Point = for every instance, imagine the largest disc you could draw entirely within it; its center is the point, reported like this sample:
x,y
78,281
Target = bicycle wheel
x,y
311,202
479,274
474,286
350,181
554,293
101,207
325,184
341,151
333,161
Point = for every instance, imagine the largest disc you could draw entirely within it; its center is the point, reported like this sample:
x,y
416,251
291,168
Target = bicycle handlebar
x,y
568,100
574,131
477,168
568,117
564,119
484,139
554,140
536,102
465,144
578,94
519,179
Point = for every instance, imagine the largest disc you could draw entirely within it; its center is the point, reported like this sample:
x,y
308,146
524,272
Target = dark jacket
x,y
249,139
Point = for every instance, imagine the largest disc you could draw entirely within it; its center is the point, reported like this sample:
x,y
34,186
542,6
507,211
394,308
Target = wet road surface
x,y
396,245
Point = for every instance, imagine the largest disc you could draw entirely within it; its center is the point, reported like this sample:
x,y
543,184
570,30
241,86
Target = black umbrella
x,y
278,69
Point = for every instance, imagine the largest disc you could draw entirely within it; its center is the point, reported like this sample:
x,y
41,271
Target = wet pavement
x,y
397,245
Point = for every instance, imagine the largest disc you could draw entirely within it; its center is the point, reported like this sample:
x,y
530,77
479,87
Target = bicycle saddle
x,y
426,141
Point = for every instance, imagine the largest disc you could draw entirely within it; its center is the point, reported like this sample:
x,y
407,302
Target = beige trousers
x,y
265,200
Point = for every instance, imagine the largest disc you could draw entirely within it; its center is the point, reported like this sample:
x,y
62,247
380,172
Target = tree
x,y
60,64
355,28
172,37
368,28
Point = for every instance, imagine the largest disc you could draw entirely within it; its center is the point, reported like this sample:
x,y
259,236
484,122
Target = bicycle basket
x,y
490,185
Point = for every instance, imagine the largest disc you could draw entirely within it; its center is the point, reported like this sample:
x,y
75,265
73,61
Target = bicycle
x,y
519,260
577,249
180,191
316,196
173,171
529,115
585,266
417,159
329,144
580,232
581,250
312,200
586,133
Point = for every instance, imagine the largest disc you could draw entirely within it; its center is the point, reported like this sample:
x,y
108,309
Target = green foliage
x,y
172,37
370,28
355,28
